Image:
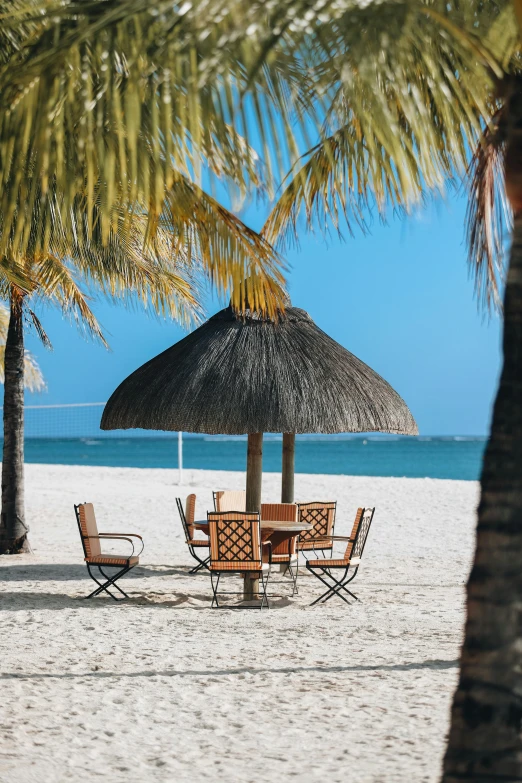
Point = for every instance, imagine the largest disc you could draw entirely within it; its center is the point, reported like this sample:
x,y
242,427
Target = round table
x,y
271,530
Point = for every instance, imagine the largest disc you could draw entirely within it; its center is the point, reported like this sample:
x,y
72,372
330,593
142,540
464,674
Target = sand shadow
x,y
433,665
24,601
63,572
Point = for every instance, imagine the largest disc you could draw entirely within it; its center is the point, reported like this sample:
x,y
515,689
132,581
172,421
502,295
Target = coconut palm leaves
x,y
373,106
100,121
414,91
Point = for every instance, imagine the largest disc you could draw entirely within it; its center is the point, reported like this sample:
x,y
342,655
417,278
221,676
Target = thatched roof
x,y
238,374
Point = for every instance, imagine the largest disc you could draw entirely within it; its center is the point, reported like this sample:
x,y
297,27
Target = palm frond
x,y
234,258
407,96
40,331
489,216
33,378
140,95
57,284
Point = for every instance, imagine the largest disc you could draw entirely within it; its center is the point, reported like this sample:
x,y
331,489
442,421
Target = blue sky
x,y
400,299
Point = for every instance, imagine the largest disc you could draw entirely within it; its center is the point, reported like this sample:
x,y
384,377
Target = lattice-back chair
x,y
322,516
235,547
284,553
187,516
347,565
95,558
229,500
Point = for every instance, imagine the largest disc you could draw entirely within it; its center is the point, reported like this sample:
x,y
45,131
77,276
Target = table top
x,y
298,527
269,524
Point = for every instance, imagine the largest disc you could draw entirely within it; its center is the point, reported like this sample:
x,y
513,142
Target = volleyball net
x,y
81,421
77,420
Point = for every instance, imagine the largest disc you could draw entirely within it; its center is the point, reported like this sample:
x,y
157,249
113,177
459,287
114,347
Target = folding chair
x,y
285,553
187,520
95,558
322,517
229,500
235,547
327,570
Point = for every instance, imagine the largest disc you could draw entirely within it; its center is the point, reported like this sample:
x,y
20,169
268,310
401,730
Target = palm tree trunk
x,y
485,741
13,530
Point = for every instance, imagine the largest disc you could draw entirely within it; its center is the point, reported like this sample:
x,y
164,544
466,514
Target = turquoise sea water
x,y
449,458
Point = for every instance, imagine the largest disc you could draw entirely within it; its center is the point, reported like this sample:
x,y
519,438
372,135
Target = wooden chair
x,y
285,553
322,517
187,516
235,547
229,500
348,565
93,555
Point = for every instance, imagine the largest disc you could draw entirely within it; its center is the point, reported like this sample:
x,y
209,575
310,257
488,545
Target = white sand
x,y
162,688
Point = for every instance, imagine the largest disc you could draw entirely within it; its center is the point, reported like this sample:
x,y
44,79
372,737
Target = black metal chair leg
x,y
100,588
293,576
325,583
335,591
264,597
201,564
331,587
341,586
334,586
112,581
214,604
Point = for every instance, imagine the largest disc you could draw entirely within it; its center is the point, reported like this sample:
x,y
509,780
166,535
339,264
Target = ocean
x,y
443,458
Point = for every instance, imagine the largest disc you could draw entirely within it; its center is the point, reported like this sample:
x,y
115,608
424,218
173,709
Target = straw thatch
x,y
238,375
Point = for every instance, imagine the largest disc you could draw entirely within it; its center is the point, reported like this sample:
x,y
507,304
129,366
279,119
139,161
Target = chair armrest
x,y
125,537
116,538
267,544
339,538
119,535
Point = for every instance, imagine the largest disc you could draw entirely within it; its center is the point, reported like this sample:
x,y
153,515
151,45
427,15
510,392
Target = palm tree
x,y
116,197
360,161
162,274
403,91
118,270
485,741
375,153
31,375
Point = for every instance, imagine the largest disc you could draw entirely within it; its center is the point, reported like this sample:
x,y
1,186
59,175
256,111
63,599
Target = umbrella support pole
x,y
253,497
250,589
288,468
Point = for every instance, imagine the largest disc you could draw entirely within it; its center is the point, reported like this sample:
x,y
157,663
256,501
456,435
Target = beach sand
x,y
162,688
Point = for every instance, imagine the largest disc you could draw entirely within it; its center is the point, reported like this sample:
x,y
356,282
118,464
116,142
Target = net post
x,y
180,457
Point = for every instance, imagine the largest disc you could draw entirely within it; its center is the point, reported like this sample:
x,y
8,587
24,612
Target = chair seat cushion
x,y
113,560
319,543
238,565
328,563
199,542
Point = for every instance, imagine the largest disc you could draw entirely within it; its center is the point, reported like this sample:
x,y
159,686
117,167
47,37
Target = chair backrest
x,y
359,534
235,539
88,527
230,500
321,516
279,512
187,515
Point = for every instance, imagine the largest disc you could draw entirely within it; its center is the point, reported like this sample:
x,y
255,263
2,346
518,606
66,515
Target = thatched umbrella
x,y
239,374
